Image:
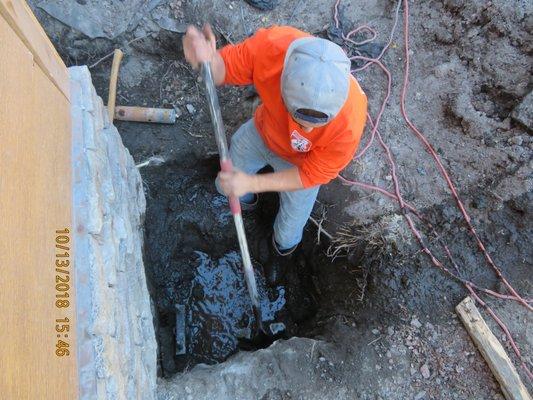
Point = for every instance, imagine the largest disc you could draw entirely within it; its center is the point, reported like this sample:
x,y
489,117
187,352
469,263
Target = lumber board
x,y
492,351
35,201
22,20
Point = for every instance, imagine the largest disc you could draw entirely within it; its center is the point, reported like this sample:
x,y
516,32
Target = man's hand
x,y
199,46
236,183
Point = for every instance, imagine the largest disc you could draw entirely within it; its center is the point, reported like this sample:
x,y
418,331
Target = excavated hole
x,y
192,260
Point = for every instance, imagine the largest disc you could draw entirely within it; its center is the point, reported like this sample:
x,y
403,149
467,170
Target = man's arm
x,y
238,183
218,69
200,46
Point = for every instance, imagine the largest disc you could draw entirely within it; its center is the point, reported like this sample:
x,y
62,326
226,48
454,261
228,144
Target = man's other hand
x,y
199,46
236,183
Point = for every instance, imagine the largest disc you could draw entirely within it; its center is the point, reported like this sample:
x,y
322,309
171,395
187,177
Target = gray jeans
x,y
249,154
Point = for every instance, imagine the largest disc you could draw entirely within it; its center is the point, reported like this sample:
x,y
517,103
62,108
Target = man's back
x,y
321,153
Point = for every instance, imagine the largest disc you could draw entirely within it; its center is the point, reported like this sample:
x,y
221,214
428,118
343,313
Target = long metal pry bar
x,y
227,166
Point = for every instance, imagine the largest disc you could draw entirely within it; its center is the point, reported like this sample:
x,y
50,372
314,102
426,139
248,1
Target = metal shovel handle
x,y
218,126
227,166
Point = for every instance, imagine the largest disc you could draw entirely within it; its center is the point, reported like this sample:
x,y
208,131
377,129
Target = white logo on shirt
x,y
300,143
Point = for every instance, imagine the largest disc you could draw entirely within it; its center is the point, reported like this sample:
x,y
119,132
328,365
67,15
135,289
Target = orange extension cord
x,y
405,207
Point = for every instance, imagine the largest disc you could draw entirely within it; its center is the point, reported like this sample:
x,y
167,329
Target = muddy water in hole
x,y
192,262
219,310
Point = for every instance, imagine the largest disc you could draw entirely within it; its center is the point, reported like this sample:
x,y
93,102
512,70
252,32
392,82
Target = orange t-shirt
x,y
320,154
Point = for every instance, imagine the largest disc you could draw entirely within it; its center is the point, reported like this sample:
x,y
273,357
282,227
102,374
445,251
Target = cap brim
x,y
310,118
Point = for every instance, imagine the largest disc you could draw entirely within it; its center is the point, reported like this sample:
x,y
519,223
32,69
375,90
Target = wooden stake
x,y
492,351
117,57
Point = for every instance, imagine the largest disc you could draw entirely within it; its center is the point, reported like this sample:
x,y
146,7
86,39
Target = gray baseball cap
x,y
316,76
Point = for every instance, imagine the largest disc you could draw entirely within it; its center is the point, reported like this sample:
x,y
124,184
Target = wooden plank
x,y
35,201
21,19
492,351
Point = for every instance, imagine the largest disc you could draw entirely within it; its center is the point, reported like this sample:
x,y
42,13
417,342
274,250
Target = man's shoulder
x,y
270,46
356,93
349,123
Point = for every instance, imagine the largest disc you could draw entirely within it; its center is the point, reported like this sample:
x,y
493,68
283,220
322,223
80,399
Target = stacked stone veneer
x,y
116,340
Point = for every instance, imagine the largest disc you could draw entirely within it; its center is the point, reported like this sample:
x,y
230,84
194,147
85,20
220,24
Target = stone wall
x,y
298,368
116,340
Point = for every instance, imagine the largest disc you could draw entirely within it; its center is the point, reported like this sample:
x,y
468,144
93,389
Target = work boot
x,y
278,262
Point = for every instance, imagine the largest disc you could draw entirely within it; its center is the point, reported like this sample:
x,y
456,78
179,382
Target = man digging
x,y
307,127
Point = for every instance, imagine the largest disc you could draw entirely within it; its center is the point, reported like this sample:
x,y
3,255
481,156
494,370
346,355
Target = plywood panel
x,y
35,201
21,19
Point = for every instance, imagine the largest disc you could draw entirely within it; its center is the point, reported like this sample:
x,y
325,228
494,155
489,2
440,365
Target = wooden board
x,y
35,201
21,19
492,351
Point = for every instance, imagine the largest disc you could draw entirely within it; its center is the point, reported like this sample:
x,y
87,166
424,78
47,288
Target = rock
x,y
416,323
190,108
516,153
98,19
518,140
523,113
375,331
140,32
390,331
445,69
420,395
164,18
424,370
172,25
255,375
264,5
